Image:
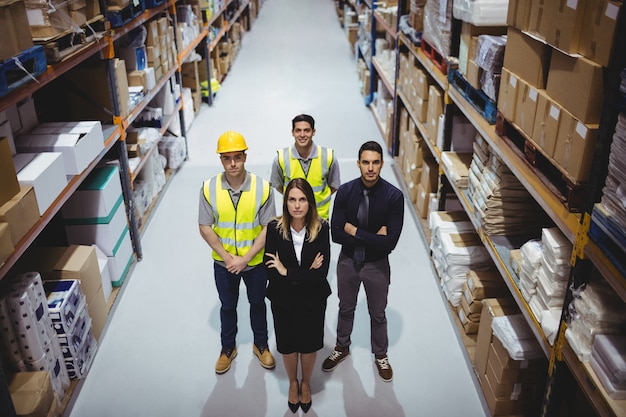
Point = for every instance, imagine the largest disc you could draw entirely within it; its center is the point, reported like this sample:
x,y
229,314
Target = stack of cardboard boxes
x,y
511,387
550,92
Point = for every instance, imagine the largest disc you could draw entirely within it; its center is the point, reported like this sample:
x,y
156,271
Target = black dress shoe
x,y
294,406
306,406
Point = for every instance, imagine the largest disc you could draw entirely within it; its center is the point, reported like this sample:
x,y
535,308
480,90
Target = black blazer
x,y
301,285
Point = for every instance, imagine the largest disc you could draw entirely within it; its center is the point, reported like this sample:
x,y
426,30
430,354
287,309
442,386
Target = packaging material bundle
x,y
479,285
481,12
174,150
544,284
608,360
502,204
614,193
489,57
530,253
596,309
457,167
28,332
149,182
438,25
454,252
517,337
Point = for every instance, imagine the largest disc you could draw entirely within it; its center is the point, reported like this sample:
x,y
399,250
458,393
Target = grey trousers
x,y
375,277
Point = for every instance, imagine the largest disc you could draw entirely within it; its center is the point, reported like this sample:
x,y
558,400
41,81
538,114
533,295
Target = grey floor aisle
x,y
158,353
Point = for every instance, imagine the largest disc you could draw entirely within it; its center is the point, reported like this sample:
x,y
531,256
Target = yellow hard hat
x,y
231,141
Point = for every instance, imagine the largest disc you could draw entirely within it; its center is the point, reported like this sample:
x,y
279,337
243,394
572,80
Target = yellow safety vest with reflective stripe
x,y
237,227
318,172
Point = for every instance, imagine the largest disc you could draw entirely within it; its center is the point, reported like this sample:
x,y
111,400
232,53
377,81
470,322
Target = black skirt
x,y
299,325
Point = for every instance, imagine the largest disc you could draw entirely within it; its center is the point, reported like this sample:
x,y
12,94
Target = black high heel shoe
x,y
305,406
294,406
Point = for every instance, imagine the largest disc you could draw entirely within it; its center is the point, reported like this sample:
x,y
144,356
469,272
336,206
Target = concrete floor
x,y
158,353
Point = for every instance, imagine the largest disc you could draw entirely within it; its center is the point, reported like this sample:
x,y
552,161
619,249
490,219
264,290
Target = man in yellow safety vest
x,y
307,160
235,208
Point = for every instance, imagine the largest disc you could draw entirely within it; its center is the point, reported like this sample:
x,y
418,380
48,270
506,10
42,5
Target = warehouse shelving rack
x,y
587,255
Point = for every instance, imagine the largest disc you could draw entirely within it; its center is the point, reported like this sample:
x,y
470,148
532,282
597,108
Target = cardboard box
x,y
421,84
7,132
79,142
527,57
97,309
6,242
467,49
577,85
152,37
541,17
420,107
600,22
507,98
469,326
518,14
526,107
575,146
99,196
499,406
9,185
430,176
14,29
492,307
435,108
45,172
565,30
105,273
474,74
31,393
21,213
421,202
546,123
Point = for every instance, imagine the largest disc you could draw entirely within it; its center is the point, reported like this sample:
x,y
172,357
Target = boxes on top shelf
x,y
79,142
14,30
599,24
45,172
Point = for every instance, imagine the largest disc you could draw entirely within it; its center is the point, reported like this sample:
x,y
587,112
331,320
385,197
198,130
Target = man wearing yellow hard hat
x,y
235,208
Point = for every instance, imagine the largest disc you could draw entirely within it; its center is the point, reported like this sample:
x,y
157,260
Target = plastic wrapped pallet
x,y
481,12
438,25
490,52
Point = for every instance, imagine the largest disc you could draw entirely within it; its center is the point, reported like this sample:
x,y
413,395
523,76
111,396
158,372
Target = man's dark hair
x,y
371,146
303,118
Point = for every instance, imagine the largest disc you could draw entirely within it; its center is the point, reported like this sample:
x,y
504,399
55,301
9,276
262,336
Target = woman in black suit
x,y
297,256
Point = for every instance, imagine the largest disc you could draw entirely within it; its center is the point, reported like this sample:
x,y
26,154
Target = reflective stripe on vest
x,y
237,227
316,177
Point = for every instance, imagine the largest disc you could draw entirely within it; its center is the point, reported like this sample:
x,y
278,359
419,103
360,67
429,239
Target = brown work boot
x,y
337,355
223,362
265,356
384,369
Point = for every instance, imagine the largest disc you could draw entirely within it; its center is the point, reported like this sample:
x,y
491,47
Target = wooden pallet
x,y
65,45
22,68
477,98
434,55
554,177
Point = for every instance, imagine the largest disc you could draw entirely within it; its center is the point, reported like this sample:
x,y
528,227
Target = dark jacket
x,y
302,284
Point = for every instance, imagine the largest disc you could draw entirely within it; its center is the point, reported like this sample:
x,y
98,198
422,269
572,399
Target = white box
x,y
105,273
71,342
98,196
27,114
121,261
44,172
79,142
106,235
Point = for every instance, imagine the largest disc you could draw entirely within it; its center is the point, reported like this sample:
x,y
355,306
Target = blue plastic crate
x,y
128,13
477,98
15,71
